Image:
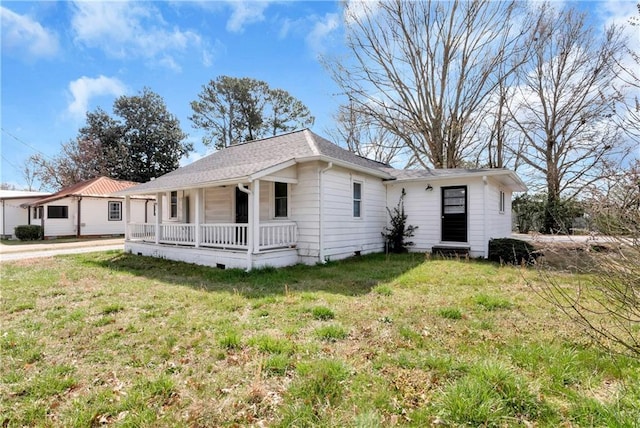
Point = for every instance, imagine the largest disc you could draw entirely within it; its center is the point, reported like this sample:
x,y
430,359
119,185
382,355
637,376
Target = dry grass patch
x,y
115,339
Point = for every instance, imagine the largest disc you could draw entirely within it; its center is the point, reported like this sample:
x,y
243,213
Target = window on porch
x,y
173,208
281,196
37,213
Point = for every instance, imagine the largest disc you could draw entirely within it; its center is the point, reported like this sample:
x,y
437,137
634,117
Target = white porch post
x,y
254,223
158,215
198,219
126,216
485,219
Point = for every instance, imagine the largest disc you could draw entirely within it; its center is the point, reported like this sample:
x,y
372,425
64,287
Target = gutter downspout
x,y
249,226
485,190
78,229
321,214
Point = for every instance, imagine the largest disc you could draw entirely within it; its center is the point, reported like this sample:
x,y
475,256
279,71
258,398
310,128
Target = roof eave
x,y
196,185
323,158
516,186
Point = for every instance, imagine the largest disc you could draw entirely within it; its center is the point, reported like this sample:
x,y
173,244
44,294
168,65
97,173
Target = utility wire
x,y
25,143
11,163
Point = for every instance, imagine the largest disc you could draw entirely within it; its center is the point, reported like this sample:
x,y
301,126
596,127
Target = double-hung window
x,y
115,211
281,197
37,213
173,207
357,199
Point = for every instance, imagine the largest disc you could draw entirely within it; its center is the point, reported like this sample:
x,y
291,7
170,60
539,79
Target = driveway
x,y
50,249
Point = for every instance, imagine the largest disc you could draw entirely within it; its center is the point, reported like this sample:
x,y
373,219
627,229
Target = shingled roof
x,y
254,159
97,187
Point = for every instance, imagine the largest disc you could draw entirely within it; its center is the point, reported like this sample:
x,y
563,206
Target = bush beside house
x,y
30,232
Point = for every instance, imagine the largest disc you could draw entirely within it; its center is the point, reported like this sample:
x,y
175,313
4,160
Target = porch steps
x,y
450,251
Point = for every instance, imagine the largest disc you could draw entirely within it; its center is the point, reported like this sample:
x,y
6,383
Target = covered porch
x,y
243,225
231,236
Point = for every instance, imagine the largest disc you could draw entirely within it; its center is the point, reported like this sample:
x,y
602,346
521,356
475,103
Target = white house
x,y
298,198
88,209
12,211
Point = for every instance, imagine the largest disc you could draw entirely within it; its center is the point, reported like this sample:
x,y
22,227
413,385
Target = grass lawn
x,y
115,339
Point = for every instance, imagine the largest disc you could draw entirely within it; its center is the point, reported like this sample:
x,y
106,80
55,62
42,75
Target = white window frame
x,y
501,202
356,200
37,212
110,211
173,215
275,200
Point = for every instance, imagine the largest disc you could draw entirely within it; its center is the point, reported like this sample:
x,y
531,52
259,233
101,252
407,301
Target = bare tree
x,y
607,306
360,135
7,186
30,174
565,101
630,77
78,160
422,70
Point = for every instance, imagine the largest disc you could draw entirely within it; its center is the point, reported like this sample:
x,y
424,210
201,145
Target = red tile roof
x,y
97,187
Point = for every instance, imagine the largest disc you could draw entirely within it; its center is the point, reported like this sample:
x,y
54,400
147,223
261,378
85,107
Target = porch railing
x,y
277,235
221,235
226,235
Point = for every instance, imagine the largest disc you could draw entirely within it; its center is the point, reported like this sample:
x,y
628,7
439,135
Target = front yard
x,y
115,339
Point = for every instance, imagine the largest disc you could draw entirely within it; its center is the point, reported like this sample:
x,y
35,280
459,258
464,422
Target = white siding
x,y
219,204
266,200
94,217
345,234
12,215
498,223
54,227
423,209
304,203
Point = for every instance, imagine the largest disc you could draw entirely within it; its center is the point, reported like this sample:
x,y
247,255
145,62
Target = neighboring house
x,y
89,208
298,198
13,213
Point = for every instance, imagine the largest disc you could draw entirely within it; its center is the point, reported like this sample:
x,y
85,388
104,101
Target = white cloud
x,y
21,33
131,29
85,88
322,31
358,10
245,13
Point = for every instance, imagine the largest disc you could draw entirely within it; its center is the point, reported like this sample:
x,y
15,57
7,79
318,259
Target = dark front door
x,y
242,206
454,214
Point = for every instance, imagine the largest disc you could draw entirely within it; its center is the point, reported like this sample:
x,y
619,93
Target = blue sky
x,y
60,59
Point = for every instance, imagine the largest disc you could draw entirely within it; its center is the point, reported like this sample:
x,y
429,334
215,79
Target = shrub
x,y
30,232
399,231
512,251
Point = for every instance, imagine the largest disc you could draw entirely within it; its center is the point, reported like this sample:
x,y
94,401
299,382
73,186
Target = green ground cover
x,y
115,339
